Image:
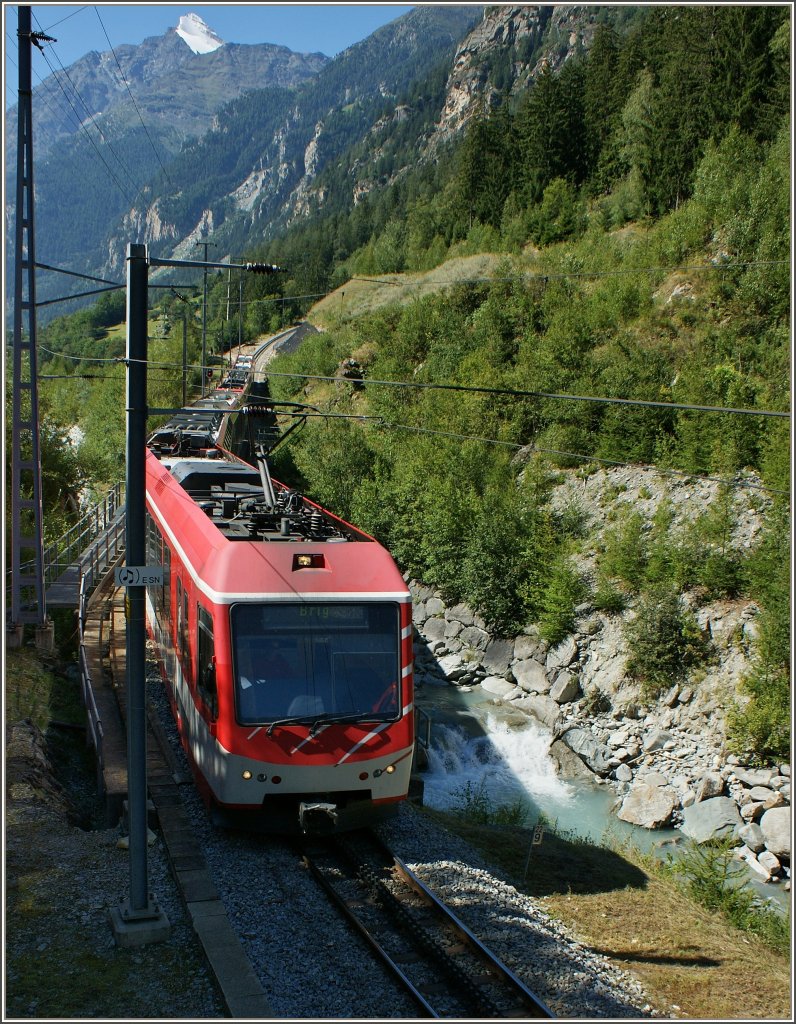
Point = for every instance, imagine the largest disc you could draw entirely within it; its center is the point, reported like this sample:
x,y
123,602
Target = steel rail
x,y
344,907
460,983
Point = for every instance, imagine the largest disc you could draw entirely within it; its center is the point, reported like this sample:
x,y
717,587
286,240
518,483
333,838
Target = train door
x,y
206,663
183,632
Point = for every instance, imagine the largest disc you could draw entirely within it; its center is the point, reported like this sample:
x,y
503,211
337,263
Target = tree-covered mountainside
x,y
633,263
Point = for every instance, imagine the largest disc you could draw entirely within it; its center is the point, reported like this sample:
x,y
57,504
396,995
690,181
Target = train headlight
x,y
384,771
247,774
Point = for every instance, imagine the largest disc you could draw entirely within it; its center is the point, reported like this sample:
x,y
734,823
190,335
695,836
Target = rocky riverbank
x,y
666,759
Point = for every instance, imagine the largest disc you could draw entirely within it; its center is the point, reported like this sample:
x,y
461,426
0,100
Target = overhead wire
x,y
62,20
93,122
45,93
696,474
515,393
129,92
508,392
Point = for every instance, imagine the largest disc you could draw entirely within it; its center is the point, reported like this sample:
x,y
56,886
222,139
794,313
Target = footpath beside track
x,y
104,631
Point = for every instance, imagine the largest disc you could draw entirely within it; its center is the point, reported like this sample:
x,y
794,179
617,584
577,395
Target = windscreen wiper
x,y
341,716
305,719
324,719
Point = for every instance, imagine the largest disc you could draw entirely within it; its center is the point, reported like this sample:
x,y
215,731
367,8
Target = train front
x,y
315,731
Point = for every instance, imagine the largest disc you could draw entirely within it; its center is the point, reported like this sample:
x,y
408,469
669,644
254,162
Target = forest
x,y
636,204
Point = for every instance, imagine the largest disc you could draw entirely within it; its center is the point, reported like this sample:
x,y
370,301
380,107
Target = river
x,y
479,752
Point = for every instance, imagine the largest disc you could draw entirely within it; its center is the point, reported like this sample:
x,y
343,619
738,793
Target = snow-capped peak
x,y
197,35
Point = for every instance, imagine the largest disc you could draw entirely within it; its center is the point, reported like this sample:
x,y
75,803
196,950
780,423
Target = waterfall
x,y
507,766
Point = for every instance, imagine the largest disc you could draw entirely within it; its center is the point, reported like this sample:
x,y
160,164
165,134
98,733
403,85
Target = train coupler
x,y
318,818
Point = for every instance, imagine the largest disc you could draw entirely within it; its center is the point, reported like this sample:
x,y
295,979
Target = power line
x,y
380,422
43,94
88,136
512,393
68,16
93,122
127,86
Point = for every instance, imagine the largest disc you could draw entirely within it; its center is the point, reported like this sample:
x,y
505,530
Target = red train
x,y
285,638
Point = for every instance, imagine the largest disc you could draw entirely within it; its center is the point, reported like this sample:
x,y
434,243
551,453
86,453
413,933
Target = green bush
x,y
475,805
716,880
760,728
664,640
626,551
565,589
609,598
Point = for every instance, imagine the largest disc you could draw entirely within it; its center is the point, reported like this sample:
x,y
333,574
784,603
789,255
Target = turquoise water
x,y
480,750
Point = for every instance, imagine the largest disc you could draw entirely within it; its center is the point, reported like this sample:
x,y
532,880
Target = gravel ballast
x,y
311,965
62,881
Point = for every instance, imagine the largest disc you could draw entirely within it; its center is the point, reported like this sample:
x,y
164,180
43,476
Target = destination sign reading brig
x,y
139,576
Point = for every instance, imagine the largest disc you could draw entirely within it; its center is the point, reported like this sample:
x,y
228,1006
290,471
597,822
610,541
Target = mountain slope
x,y
172,83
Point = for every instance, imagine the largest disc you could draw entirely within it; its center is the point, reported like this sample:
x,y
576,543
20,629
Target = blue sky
x,y
305,28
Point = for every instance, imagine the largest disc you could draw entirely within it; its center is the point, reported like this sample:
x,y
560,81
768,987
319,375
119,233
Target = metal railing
x,y
93,721
102,523
88,593
423,722
95,521
102,553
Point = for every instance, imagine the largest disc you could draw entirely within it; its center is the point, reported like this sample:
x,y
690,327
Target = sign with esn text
x,y
139,575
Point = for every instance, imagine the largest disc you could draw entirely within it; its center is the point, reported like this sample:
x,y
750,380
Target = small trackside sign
x,y
139,576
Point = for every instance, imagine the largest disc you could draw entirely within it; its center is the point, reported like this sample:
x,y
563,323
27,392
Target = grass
x,y
692,962
37,693
60,957
362,295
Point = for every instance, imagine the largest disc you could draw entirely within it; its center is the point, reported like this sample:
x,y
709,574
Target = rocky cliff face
x,y
666,758
468,88
528,38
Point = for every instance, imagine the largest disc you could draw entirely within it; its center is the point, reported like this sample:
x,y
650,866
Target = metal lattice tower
x,y
27,570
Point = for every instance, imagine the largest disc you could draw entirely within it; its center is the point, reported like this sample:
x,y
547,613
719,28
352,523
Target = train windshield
x,y
316,662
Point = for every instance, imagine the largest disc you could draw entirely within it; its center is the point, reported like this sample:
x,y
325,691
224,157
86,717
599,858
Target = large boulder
x,y
473,636
497,686
775,826
531,676
565,689
649,805
568,764
564,654
434,629
498,656
712,819
711,784
541,707
587,746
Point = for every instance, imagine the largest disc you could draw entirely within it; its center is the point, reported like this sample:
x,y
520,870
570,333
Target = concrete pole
x,y
139,919
240,312
137,289
184,358
204,324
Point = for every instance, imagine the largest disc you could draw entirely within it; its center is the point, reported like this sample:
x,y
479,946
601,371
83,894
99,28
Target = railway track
x,y
445,969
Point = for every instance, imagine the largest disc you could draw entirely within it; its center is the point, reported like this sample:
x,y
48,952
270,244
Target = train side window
x,y
166,580
154,557
152,541
206,661
185,649
182,625
178,599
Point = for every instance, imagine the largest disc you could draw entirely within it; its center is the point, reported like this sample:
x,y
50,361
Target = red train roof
x,y
246,555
